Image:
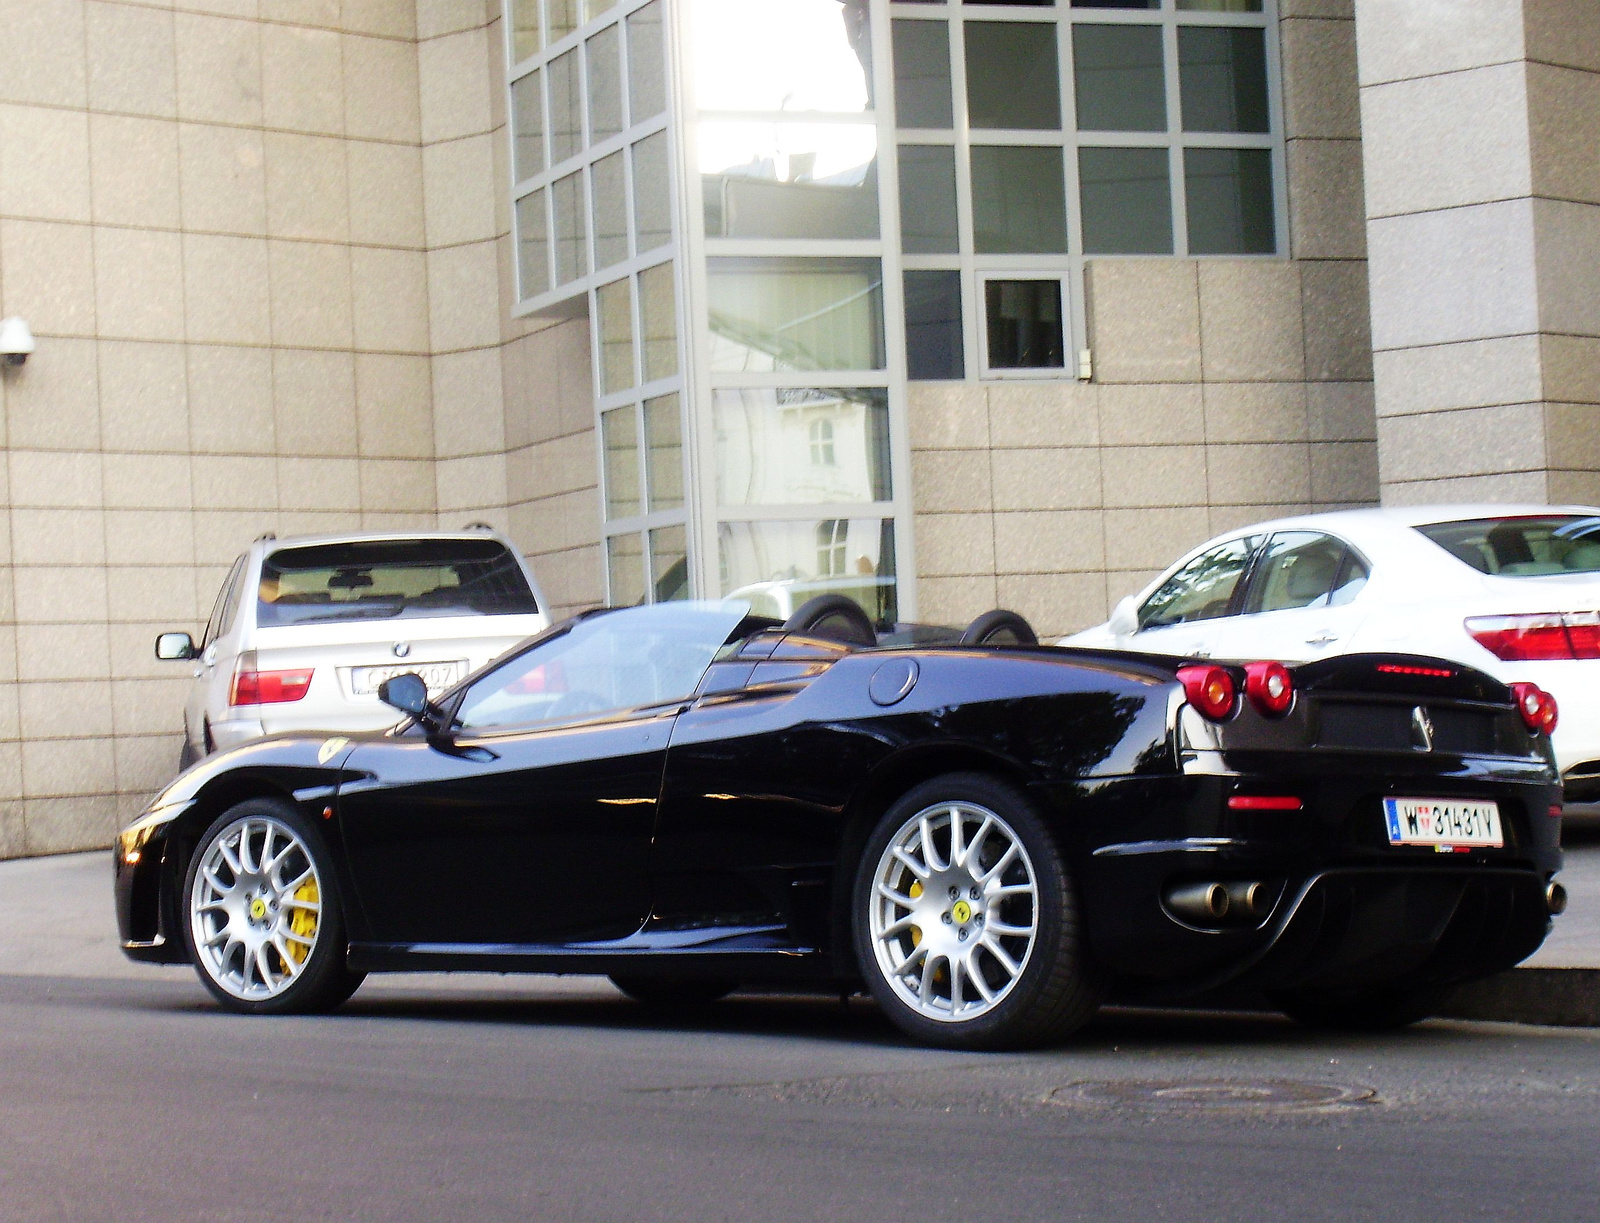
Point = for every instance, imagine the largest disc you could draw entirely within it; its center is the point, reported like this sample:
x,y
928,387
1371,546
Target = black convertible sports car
x,y
994,835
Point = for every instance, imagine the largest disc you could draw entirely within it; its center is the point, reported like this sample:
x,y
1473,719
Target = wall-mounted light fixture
x,y
16,340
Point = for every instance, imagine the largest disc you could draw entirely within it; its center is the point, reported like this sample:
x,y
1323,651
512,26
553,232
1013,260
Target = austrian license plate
x,y
1445,823
364,681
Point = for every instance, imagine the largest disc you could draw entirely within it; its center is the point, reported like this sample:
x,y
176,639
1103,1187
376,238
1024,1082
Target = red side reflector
x,y
1395,668
269,687
1537,707
1555,811
1264,802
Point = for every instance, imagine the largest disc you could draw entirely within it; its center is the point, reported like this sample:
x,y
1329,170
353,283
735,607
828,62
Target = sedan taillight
x,y
252,687
1537,707
1538,637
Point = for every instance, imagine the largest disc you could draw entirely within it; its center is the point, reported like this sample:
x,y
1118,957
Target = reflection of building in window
x,y
832,544
822,443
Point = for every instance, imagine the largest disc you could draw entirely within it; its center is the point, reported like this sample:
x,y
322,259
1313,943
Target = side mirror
x,y
175,647
409,694
1124,620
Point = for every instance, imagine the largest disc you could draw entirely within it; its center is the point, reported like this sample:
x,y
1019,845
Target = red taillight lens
x,y
1270,687
269,687
1537,707
1539,637
1210,690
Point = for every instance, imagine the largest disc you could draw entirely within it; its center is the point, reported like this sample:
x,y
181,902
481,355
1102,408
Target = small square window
x,y
1118,79
1219,6
1019,202
1117,4
922,74
605,84
525,40
610,197
533,245
1127,201
527,121
669,564
647,65
652,209
563,18
933,326
928,200
1229,195
625,569
1023,319
566,108
566,198
614,305
658,320
619,434
1222,73
663,454
1012,77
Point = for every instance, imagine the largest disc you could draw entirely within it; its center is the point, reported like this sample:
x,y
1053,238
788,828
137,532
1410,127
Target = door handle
x,y
1323,637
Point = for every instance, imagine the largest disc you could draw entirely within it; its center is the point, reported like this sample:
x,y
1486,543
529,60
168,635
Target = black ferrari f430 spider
x,y
992,835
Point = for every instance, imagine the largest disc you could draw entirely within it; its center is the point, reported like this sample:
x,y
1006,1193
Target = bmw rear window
x,y
1522,547
391,579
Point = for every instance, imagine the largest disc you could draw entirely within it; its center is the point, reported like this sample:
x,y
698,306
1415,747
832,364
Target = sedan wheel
x,y
966,926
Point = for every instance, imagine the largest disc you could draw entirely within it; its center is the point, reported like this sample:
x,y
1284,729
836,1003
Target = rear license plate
x,y
1445,823
364,681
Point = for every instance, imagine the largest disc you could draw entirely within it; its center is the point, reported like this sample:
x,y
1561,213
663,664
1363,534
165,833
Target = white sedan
x,y
1513,590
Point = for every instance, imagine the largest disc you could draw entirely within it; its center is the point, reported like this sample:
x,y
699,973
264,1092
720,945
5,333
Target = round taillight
x,y
1537,707
1209,689
1270,687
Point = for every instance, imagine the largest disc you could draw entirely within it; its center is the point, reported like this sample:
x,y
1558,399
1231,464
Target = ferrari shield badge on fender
x,y
329,749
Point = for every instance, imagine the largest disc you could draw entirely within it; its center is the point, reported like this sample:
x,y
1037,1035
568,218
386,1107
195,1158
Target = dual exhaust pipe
x,y
1221,904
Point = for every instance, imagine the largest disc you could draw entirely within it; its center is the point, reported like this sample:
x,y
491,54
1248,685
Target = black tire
x,y
1056,991
187,756
834,617
674,993
999,627
1374,1009
323,981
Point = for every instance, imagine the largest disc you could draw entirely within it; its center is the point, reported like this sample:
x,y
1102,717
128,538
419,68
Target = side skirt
x,y
791,964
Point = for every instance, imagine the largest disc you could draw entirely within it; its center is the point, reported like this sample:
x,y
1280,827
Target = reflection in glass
x,y
1019,203
652,212
934,341
669,564
1127,201
563,18
1222,76
789,180
1024,324
658,320
593,8
647,65
663,453
928,200
619,433
1229,194
566,199
524,29
801,446
800,314
777,566
610,198
1220,6
616,336
1120,86
527,121
1012,77
1117,4
793,55
566,108
625,569
922,74
533,246
603,53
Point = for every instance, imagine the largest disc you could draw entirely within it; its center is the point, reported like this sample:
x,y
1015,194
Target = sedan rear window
x,y
392,579
1522,547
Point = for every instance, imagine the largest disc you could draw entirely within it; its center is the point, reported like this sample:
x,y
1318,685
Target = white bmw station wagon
x,y
305,629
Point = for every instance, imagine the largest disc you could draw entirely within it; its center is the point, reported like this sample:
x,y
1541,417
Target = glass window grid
x,y
975,269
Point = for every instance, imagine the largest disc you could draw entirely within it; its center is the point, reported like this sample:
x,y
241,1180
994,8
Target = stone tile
x,y
235,482
1256,412
1144,320
1055,603
385,194
149,537
1469,442
1522,487
394,406
438,17
1344,472
302,12
381,17
151,592
1572,436
147,481
389,292
1151,413
1565,32
1250,320
62,651
1568,249
473,483
54,478
459,189
1340,412
1399,39
49,276
1153,538
311,304
60,594
956,601
44,163
301,79
385,520
1443,376
1327,203
223,8
1154,475
939,415
389,485
955,544
53,401
1225,518
319,484
220,536
307,193
64,709
64,825
1573,487
226,290
1345,9
51,73
132,65
52,767
138,284
230,400
1571,367
1054,479
314,395
946,481
134,171
145,402
219,69
145,762
1562,105
380,89
224,179
1337,319
1043,414
1257,474
463,295
1320,92
453,73
1049,541
468,408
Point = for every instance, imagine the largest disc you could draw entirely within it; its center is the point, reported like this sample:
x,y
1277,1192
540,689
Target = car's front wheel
x,y
264,923
966,921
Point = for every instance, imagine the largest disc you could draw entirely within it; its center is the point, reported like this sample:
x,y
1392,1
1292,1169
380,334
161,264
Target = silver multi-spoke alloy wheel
x,y
954,911
255,908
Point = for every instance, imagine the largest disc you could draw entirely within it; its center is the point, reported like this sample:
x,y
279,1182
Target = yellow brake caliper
x,y
303,922
914,891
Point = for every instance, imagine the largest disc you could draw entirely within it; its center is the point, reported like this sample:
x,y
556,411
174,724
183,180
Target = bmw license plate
x,y
1444,823
364,681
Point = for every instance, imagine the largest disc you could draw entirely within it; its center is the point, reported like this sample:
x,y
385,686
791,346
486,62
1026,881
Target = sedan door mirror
x,y
409,694
175,647
1124,620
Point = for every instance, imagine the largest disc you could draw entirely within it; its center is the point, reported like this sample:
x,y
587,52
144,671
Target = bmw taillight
x,y
1270,687
1538,637
252,687
1211,690
1537,707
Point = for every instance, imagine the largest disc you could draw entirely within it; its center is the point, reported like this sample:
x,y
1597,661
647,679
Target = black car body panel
x,y
720,833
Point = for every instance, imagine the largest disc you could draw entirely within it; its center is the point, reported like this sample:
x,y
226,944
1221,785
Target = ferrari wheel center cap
x,y
962,912
258,909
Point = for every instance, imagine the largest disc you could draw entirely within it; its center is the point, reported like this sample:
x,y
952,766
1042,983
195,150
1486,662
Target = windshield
x,y
624,659
392,579
1522,547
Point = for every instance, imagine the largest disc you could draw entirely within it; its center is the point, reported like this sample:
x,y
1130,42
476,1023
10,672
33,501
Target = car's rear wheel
x,y
966,922
1374,1009
670,992
264,924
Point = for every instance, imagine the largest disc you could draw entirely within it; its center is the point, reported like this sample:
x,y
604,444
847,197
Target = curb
x,y
1562,997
